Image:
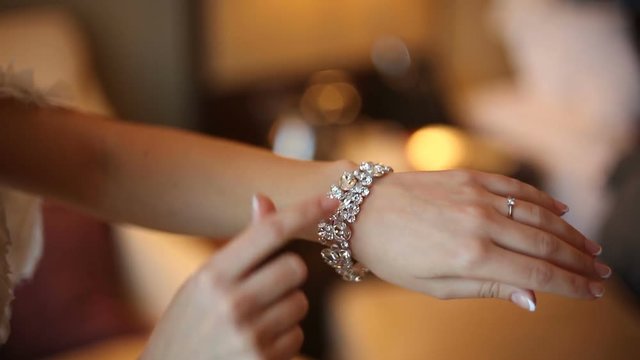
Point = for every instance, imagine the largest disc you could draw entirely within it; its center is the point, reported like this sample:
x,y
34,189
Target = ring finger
x,y
539,217
505,186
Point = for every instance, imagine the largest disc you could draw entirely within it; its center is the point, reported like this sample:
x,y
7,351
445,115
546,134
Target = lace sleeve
x,y
20,85
20,216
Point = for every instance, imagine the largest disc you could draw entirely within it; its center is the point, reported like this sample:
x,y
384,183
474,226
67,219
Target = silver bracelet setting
x,y
335,232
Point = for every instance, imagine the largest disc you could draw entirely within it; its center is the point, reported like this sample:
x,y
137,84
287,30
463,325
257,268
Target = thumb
x,y
261,206
460,288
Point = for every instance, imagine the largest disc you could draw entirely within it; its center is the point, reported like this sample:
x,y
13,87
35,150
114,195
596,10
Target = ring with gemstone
x,y
511,203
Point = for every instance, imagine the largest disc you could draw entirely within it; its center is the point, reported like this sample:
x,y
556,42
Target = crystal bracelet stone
x,y
335,232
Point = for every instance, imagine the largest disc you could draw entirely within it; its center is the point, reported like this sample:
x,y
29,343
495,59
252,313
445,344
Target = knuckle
x,y
540,196
253,341
472,255
516,184
207,280
215,277
547,244
297,266
489,289
274,228
301,302
541,275
577,285
464,176
476,215
239,305
474,192
537,215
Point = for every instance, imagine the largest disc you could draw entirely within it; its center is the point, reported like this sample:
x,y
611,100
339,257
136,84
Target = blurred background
x,y
547,91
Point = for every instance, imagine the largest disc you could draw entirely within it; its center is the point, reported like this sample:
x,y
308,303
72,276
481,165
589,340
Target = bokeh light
x,y
390,55
436,147
330,98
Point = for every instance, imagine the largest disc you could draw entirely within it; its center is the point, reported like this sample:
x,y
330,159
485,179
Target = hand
x,y
447,234
232,308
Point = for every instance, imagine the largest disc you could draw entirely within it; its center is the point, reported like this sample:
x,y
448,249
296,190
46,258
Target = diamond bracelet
x,y
335,232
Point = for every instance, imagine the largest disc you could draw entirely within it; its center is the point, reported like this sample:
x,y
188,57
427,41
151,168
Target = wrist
x,y
335,232
323,175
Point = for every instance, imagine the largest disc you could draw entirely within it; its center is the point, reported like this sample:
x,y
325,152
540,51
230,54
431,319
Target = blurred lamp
x,y
436,147
330,98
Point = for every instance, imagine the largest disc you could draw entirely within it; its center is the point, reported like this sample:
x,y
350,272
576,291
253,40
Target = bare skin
x,y
235,307
445,233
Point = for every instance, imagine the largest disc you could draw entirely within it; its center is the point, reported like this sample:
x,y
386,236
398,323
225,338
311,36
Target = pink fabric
x,y
75,297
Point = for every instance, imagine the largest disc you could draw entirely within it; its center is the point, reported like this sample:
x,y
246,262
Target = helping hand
x,y
232,308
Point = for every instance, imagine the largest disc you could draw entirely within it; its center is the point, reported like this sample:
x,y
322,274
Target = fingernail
x,y
596,289
255,206
523,300
564,208
593,247
603,270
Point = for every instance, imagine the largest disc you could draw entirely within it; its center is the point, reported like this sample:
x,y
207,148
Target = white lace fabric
x,y
21,239
20,85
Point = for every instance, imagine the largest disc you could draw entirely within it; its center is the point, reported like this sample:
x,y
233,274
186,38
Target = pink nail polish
x,y
524,301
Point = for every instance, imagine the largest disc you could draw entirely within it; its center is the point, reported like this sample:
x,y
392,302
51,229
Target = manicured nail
x,y
603,270
596,289
593,247
564,208
523,300
255,207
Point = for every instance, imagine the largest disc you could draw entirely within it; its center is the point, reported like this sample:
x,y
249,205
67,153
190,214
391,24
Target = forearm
x,y
187,182
153,176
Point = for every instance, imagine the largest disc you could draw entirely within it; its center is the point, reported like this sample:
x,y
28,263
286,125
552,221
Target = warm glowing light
x,y
330,99
436,148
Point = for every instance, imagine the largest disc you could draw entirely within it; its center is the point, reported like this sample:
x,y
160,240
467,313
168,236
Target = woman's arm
x,y
443,233
157,177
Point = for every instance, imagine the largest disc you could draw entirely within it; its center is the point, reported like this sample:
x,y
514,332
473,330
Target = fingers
x,y
506,186
261,206
533,215
459,288
272,281
282,316
267,235
540,244
529,273
286,346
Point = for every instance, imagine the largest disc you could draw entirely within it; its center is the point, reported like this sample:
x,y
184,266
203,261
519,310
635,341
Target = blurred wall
x,y
143,54
255,40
